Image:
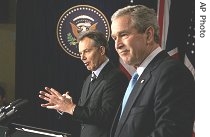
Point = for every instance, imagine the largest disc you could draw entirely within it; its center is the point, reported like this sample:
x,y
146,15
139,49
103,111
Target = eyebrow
x,y
119,33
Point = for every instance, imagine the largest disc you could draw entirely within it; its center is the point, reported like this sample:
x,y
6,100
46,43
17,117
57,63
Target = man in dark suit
x,y
101,93
162,100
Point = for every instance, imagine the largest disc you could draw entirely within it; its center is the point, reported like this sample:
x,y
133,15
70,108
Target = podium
x,y
18,130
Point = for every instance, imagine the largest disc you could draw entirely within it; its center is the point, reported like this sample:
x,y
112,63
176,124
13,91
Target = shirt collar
x,y
97,72
149,58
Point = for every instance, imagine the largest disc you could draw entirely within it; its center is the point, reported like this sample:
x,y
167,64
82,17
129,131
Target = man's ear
x,y
149,34
102,50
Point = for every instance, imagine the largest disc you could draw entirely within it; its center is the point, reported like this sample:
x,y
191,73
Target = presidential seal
x,y
78,19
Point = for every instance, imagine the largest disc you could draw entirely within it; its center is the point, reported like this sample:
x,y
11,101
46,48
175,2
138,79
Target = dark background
x,y
40,60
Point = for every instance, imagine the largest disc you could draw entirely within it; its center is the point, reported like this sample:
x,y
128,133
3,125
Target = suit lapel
x,y
143,79
87,94
100,77
115,121
92,87
85,89
137,90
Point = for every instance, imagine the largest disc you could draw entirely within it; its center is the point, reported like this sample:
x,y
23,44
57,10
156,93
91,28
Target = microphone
x,y
15,107
6,108
2,108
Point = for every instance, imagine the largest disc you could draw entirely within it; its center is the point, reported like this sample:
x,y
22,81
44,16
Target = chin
x,y
88,68
126,61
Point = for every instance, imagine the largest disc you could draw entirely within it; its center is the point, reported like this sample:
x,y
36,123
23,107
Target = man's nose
x,y
118,43
82,57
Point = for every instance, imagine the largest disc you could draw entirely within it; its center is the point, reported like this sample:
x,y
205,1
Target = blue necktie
x,y
129,89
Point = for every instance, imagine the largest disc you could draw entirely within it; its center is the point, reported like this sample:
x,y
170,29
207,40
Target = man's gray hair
x,y
142,17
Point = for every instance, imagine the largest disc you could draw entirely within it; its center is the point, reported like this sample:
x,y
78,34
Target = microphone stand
x,y
10,129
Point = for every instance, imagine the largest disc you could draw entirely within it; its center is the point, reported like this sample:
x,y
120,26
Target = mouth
x,y
123,52
86,63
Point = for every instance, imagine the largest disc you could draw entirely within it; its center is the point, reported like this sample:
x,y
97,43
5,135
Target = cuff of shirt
x,y
60,112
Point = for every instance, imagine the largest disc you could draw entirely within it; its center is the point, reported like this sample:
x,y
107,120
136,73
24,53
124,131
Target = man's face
x,y
91,55
129,44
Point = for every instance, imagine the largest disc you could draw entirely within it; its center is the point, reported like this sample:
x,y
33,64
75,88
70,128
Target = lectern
x,y
18,130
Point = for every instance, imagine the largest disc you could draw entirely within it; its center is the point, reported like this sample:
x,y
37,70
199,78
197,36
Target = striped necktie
x,y
93,76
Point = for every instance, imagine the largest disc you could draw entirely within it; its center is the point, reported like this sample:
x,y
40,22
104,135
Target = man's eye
x,y
124,35
114,38
87,51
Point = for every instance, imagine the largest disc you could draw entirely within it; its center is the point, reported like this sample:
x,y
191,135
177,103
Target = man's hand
x,y
57,101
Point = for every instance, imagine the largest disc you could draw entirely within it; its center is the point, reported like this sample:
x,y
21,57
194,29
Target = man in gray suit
x,y
162,100
102,91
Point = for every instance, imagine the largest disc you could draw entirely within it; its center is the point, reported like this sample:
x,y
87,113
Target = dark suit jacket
x,y
96,110
162,103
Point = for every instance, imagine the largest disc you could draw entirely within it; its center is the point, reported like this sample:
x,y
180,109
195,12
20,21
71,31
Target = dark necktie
x,y
129,89
93,76
92,79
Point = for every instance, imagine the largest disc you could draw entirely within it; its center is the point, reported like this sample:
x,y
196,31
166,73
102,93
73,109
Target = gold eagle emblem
x,y
76,29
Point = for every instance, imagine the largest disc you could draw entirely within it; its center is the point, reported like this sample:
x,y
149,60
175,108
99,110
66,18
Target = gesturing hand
x,y
57,101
